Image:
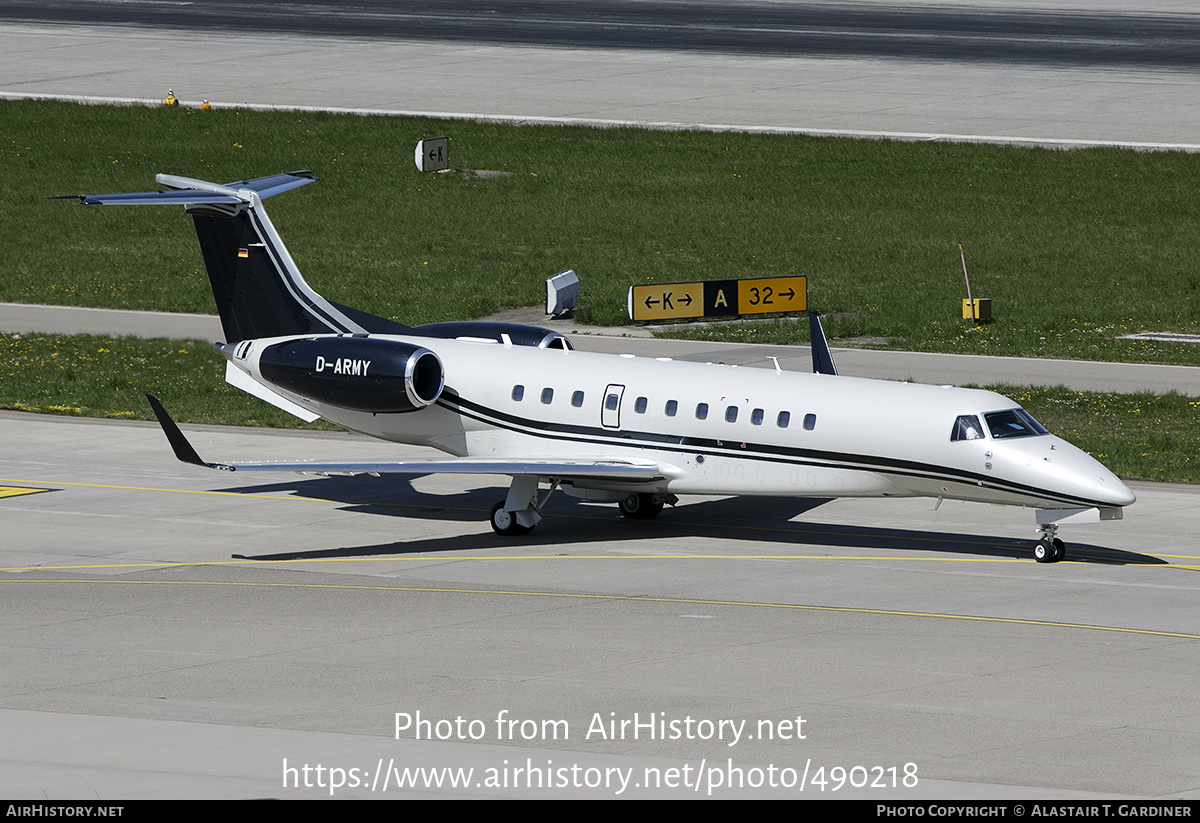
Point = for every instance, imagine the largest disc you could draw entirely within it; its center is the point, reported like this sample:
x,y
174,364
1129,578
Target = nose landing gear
x,y
1049,549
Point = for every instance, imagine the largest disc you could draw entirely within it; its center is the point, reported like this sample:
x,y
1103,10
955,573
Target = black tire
x,y
640,506
1060,550
1043,551
505,522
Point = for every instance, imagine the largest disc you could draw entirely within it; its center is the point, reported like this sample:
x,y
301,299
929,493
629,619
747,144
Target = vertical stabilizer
x,y
257,286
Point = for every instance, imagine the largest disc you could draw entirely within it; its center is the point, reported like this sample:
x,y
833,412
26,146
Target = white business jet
x,y
518,400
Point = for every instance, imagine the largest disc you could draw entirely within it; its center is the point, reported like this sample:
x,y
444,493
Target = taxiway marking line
x,y
635,599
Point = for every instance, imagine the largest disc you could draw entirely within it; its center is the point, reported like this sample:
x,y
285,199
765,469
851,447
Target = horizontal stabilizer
x,y
188,191
158,198
271,185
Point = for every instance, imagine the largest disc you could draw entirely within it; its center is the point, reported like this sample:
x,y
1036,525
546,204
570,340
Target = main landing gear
x,y
505,522
1049,549
642,506
518,513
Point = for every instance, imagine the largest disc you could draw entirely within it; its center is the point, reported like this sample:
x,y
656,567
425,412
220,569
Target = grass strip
x,y
1074,247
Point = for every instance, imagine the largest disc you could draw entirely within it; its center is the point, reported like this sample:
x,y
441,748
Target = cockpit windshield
x,y
1013,423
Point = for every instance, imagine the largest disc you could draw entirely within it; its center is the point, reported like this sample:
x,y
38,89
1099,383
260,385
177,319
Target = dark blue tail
x,y
258,288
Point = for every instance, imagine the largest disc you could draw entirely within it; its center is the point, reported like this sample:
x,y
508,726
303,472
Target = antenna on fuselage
x,y
822,359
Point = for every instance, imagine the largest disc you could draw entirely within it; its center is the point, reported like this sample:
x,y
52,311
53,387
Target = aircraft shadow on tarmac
x,y
744,519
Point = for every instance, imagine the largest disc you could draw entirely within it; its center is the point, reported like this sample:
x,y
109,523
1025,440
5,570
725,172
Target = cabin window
x,y
731,414
547,396
1013,423
756,417
640,404
612,401
966,427
672,408
702,411
518,393
810,422
577,399
783,419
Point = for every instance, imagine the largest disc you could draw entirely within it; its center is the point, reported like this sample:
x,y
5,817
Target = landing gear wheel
x,y
1043,551
640,506
1060,550
1049,549
505,522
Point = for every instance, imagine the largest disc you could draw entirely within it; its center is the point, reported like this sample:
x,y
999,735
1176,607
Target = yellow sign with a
x,y
669,301
771,294
718,298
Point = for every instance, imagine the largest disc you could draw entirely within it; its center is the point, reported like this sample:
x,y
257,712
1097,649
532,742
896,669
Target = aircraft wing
x,y
595,468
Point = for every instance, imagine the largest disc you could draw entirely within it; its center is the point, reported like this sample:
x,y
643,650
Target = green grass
x,y
98,376
1074,247
1138,436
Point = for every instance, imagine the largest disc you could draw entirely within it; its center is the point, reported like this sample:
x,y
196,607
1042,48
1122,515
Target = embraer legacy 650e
x,y
518,400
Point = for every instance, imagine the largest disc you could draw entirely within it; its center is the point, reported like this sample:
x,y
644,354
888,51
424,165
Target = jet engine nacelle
x,y
517,334
360,373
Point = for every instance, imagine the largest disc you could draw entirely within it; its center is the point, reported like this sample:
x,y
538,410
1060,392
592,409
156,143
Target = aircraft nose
x,y
1109,489
1083,475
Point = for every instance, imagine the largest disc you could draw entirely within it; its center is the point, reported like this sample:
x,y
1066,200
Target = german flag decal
x,y
243,252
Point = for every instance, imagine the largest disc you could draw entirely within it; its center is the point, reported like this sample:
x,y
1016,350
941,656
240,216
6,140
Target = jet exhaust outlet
x,y
360,373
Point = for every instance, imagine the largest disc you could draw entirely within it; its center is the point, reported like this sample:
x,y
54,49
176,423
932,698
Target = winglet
x,y
822,359
179,444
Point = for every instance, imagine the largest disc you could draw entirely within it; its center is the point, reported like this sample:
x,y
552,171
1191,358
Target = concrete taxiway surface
x,y
170,631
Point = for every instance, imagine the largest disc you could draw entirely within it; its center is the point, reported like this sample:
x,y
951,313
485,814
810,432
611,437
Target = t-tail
x,y
257,286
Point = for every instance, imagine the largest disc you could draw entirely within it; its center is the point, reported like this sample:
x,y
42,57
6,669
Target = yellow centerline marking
x,y
633,599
